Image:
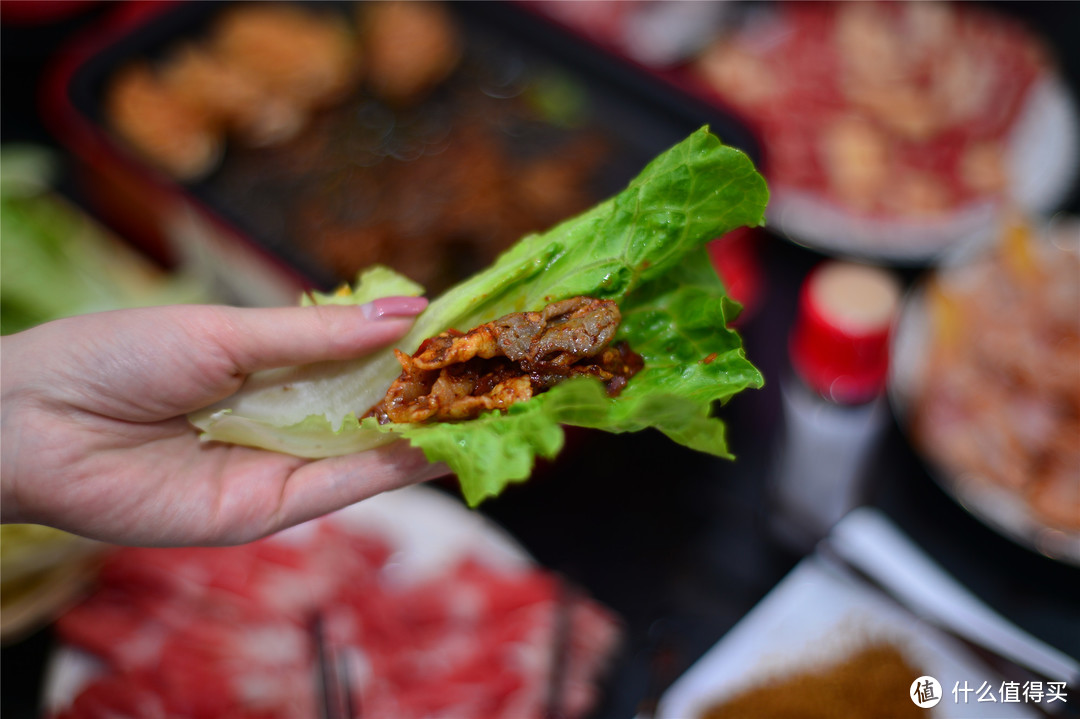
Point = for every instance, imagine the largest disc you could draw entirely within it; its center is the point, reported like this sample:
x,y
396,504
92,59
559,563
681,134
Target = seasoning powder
x,y
872,683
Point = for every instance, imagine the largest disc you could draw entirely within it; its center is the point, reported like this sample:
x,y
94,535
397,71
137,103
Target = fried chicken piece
x,y
410,46
172,134
200,78
459,375
305,57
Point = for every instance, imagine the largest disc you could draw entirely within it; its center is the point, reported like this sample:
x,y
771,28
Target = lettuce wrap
x,y
643,248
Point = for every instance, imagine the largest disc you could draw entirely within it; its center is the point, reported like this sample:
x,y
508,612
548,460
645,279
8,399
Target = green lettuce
x,y
57,262
643,248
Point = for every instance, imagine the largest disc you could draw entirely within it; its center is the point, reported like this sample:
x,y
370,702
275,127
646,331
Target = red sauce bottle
x,y
834,409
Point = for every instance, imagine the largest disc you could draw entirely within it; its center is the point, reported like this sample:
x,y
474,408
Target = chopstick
x,y
868,548
324,695
561,634
334,696
871,546
1004,666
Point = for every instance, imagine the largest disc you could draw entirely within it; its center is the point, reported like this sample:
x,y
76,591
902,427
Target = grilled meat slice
x,y
459,375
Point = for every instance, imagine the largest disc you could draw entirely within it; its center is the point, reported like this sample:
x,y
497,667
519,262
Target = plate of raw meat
x,y
424,607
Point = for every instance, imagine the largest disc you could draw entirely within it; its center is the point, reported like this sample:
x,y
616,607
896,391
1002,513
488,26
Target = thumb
x,y
256,339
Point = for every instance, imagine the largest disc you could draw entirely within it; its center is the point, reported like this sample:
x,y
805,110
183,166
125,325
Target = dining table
x,y
679,544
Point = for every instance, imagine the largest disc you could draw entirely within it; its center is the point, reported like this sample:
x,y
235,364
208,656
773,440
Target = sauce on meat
x,y
457,375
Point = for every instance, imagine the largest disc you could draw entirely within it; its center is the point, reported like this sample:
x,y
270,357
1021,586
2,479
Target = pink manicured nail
x,y
394,307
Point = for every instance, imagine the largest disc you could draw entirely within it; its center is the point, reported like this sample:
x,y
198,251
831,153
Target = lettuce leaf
x,y
58,262
644,248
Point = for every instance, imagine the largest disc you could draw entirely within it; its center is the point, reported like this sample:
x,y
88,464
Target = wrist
x,y
10,509
10,430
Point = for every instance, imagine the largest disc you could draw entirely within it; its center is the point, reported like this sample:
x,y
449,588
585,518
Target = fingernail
x,y
394,307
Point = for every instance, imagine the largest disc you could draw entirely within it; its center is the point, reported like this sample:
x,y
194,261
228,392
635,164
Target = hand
x,y
96,440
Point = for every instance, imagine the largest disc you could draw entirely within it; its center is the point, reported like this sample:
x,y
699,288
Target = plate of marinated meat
x,y
986,382
427,609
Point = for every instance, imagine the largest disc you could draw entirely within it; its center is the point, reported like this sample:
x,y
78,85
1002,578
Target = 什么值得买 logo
x,y
926,692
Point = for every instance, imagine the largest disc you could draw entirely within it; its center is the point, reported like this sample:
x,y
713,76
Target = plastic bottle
x,y
834,409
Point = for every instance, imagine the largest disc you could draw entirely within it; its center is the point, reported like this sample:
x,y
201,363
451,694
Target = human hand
x,y
95,438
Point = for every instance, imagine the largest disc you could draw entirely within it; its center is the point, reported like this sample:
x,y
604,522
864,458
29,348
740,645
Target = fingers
x,y
330,484
256,339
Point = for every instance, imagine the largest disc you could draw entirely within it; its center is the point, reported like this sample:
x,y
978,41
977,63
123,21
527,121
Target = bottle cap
x,y
840,343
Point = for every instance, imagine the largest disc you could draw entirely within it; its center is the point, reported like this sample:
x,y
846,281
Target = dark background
x,y
674,541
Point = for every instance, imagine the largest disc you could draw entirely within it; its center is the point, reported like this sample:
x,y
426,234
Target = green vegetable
x,y
643,248
57,262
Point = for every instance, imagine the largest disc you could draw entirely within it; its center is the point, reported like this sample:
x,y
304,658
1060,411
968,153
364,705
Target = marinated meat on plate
x,y
459,375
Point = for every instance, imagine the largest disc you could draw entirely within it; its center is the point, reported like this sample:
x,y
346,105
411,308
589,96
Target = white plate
x,y
816,614
427,529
